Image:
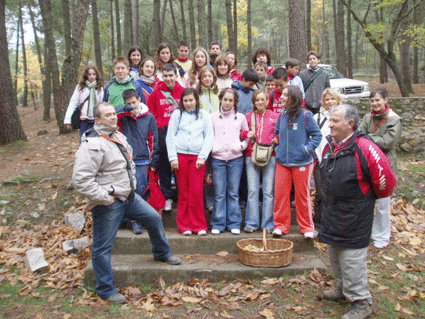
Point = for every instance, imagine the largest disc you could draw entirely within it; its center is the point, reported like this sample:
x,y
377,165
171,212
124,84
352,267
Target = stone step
x,y
126,243
142,269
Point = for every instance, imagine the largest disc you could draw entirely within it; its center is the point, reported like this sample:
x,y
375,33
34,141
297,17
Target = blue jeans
x,y
106,221
226,177
254,172
142,179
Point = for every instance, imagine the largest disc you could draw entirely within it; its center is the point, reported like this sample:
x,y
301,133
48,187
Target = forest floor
x,y
34,197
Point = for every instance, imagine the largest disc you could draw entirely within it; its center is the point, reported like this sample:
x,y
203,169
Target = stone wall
x,y
412,111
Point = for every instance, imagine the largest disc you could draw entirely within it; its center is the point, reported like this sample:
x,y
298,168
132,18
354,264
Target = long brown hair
x,y
158,62
194,68
293,104
86,74
190,91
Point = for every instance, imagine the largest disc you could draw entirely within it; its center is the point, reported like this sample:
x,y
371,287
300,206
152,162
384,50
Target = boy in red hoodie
x,y
162,103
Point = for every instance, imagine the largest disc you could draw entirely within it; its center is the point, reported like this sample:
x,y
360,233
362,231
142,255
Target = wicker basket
x,y
275,252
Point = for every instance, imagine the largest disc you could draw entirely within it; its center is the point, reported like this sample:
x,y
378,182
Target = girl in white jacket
x,y
86,95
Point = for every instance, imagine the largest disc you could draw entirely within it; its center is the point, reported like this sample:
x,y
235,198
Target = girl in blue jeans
x,y
263,121
227,163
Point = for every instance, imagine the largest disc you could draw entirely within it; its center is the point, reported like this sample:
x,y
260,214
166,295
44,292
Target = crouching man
x,y
105,173
354,173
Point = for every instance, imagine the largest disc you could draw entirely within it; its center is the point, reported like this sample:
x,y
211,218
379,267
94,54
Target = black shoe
x,y
136,227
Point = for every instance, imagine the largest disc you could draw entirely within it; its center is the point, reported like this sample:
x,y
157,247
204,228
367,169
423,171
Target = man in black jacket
x,y
354,173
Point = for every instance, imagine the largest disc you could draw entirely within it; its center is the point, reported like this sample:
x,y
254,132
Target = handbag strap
x,y
253,125
82,103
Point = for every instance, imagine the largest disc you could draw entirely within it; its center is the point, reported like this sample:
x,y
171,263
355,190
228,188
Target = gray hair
x,y
351,113
96,109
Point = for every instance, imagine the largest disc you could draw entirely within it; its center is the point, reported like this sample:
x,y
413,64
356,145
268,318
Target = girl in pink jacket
x,y
227,163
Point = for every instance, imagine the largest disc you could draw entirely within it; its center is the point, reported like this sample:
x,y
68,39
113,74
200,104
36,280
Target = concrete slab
x,y
142,269
127,243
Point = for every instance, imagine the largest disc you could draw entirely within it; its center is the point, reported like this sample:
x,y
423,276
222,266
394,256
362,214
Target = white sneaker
x,y
202,233
168,204
277,232
187,233
215,231
235,231
309,234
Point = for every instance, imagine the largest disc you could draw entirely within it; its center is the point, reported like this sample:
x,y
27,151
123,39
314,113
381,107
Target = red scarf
x,y
182,60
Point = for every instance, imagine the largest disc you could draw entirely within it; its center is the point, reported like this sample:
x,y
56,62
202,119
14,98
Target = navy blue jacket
x,y
137,129
297,143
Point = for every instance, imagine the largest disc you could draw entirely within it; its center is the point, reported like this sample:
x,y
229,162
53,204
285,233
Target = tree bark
x,y
349,46
230,33
164,11
127,25
111,9
210,26
66,25
137,23
183,20
192,25
18,28
201,24
249,26
10,124
118,24
297,40
235,26
47,83
24,61
340,36
156,26
96,36
308,24
173,17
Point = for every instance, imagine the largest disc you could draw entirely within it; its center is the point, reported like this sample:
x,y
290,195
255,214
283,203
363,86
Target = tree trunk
x,y
71,64
118,24
111,9
325,40
183,20
349,45
127,25
335,20
164,11
404,48
249,26
201,24
418,18
173,17
192,25
66,26
49,41
10,124
356,48
297,40
230,33
47,83
96,36
210,26
18,28
24,61
340,47
308,24
235,25
156,26
137,23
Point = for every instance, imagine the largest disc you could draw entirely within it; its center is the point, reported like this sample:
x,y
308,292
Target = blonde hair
x,y
333,93
194,68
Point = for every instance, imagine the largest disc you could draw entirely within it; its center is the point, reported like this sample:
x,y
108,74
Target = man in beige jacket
x,y
105,173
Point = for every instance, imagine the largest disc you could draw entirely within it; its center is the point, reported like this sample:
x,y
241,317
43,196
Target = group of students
x,y
201,116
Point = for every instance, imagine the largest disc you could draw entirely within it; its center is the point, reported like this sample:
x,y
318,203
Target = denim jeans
x,y
142,179
226,177
254,172
106,221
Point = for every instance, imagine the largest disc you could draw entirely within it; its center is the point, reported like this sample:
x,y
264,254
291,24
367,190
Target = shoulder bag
x,y
261,153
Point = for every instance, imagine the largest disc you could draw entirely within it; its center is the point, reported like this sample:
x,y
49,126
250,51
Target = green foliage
x,y
379,31
417,34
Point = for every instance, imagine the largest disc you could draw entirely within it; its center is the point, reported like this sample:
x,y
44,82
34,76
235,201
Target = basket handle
x,y
265,239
